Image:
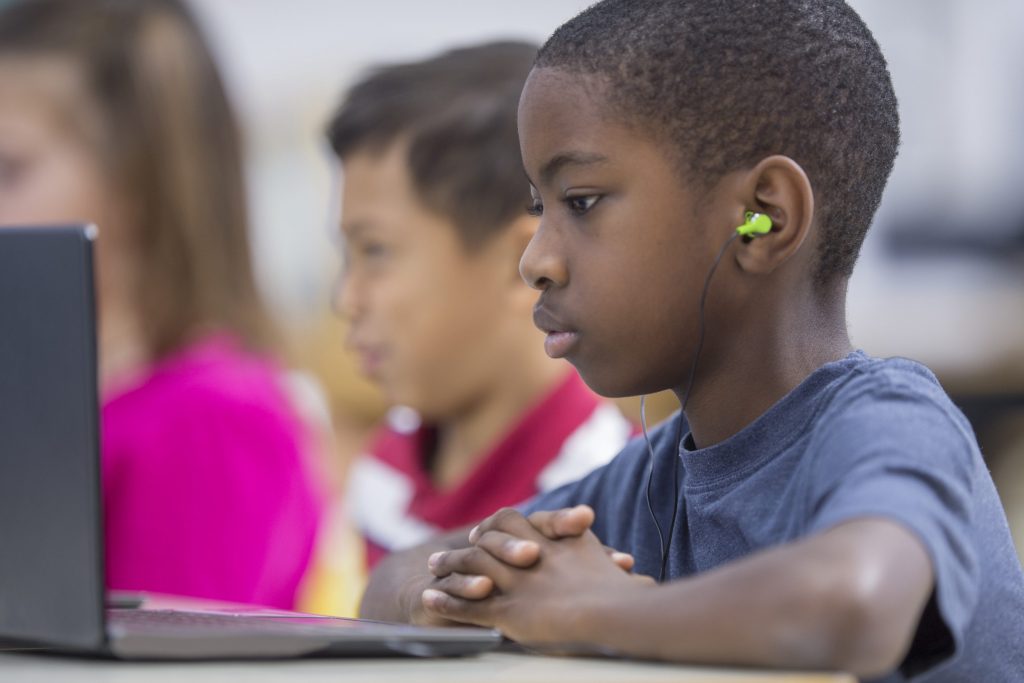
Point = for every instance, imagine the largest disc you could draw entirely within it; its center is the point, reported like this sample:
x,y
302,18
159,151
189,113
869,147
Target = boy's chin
x,y
423,403
616,385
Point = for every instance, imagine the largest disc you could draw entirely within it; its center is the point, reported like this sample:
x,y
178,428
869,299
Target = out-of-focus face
x,y
623,245
49,171
426,315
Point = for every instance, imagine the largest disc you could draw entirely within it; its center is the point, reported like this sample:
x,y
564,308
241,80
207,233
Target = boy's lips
x,y
370,357
369,362
559,344
560,337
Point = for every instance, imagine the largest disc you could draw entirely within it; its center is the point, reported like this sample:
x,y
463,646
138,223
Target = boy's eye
x,y
580,205
365,252
535,208
372,249
11,170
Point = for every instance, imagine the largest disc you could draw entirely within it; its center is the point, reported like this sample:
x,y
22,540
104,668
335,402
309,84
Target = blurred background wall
x,y
287,64
941,278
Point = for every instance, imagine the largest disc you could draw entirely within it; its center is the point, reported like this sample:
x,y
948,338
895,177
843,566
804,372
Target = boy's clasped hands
x,y
533,578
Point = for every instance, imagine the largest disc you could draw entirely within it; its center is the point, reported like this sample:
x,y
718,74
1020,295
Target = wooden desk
x,y
489,668
494,667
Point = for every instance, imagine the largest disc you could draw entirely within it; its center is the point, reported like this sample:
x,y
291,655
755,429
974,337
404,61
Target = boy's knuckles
x,y
458,561
543,522
472,560
465,586
509,549
455,608
504,519
556,524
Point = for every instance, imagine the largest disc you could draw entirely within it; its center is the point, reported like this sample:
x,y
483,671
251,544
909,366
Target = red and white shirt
x,y
395,505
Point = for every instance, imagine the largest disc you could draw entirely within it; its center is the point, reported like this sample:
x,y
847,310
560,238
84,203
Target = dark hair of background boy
x,y
457,113
725,83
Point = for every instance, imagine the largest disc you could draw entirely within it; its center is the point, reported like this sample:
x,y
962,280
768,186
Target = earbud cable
x,y
666,542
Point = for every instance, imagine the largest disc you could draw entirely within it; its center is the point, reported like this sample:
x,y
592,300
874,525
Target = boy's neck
x,y
469,436
742,379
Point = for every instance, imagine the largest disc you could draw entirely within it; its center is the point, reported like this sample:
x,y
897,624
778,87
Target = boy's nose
x,y
542,266
344,300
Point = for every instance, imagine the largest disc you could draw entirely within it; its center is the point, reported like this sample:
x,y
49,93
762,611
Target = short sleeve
x,y
580,492
897,448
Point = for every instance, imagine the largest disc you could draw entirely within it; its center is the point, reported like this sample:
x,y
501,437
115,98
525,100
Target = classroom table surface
x,y
24,665
495,667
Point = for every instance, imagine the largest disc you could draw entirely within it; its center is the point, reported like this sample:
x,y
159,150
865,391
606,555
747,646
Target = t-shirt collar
x,y
765,437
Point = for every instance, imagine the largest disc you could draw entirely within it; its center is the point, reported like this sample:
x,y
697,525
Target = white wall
x,y
956,65
287,63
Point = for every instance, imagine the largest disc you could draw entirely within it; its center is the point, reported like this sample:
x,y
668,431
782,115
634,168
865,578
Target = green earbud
x,y
757,224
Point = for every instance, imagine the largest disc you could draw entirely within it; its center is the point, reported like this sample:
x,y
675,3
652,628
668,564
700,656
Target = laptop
x,y
52,589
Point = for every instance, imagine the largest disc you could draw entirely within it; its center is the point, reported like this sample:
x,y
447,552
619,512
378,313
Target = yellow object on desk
x,y
337,576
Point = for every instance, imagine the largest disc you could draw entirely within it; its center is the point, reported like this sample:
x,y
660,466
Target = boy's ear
x,y
781,190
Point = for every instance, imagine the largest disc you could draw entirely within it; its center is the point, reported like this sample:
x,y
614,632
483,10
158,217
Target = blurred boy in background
x,y
434,222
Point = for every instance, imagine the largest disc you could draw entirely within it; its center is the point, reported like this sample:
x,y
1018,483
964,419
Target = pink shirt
x,y
206,480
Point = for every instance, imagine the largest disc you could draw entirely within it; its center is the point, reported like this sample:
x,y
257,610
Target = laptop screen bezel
x,y
52,572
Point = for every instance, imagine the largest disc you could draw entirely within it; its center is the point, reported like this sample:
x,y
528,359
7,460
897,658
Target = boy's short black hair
x,y
457,112
727,82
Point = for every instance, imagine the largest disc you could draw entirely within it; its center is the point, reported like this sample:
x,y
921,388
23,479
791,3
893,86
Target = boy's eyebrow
x,y
356,228
556,163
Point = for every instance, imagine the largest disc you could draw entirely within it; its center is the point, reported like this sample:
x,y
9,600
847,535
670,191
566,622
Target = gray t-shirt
x,y
859,437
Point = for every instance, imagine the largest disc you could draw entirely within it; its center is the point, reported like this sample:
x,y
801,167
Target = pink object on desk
x,y
206,480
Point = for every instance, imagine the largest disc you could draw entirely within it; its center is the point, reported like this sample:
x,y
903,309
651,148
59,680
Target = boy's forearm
x,y
793,607
393,591
705,620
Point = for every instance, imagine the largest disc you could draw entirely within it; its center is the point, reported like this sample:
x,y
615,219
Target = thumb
x,y
563,523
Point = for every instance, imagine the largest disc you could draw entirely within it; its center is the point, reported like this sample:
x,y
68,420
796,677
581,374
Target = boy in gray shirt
x,y
706,171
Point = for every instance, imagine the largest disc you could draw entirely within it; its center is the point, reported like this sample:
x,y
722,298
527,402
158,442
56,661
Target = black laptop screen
x,y
51,562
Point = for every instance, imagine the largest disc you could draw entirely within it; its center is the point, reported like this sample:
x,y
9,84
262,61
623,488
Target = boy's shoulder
x,y
887,395
869,375
566,432
854,409
564,435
